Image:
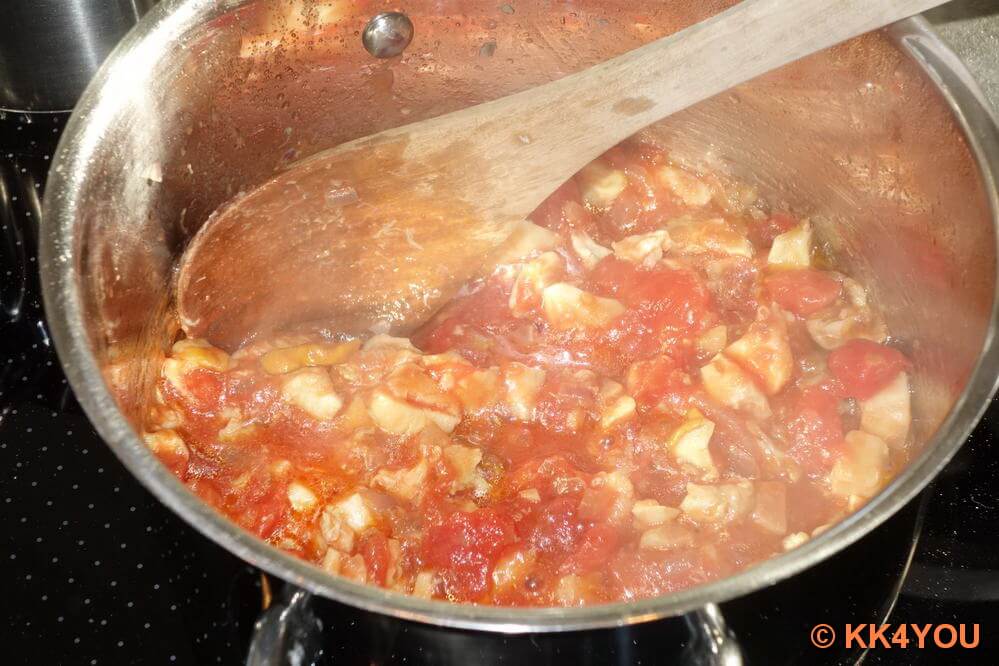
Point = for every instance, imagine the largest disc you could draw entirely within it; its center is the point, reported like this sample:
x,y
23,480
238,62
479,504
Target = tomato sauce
x,y
663,390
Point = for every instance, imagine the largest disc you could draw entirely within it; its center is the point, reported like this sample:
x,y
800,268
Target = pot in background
x,y
50,49
884,140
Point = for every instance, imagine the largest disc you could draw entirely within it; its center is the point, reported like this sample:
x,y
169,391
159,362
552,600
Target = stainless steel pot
x,y
886,140
50,49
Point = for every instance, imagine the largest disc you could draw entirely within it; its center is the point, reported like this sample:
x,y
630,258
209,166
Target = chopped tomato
x,y
206,490
668,306
456,334
803,291
464,548
488,307
439,335
666,486
613,276
651,574
679,293
556,526
814,428
595,548
864,367
373,547
765,231
644,204
514,441
563,211
260,505
175,460
735,284
469,324
678,300
542,473
556,409
622,217
660,381
205,387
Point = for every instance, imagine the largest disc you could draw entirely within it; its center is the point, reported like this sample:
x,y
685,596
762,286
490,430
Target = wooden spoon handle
x,y
586,113
433,200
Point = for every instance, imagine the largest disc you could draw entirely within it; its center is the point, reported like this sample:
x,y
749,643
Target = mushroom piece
x,y
765,350
406,484
718,504
689,445
792,249
567,307
729,384
888,413
862,468
708,235
648,513
615,405
311,390
409,400
590,252
689,188
523,385
643,249
538,273
600,184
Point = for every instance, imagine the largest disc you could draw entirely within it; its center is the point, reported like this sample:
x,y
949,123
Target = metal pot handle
x,y
287,633
713,644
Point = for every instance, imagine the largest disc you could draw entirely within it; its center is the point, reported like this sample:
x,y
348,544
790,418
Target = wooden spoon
x,y
387,227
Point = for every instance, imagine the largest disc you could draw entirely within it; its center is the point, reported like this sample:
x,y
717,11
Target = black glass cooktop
x,y
96,571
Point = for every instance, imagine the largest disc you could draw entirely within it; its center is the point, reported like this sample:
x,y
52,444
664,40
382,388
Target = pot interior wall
x,y
856,137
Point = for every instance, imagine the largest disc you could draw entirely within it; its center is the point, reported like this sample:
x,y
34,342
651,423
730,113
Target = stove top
x,y
96,571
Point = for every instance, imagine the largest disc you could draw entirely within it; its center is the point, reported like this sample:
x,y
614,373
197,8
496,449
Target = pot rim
x,y
63,304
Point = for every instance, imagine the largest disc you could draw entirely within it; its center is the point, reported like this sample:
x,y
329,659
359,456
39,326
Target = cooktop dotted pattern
x,y
96,571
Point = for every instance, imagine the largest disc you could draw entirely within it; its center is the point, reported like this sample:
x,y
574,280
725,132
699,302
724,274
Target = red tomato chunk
x,y
815,429
803,292
465,547
863,367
